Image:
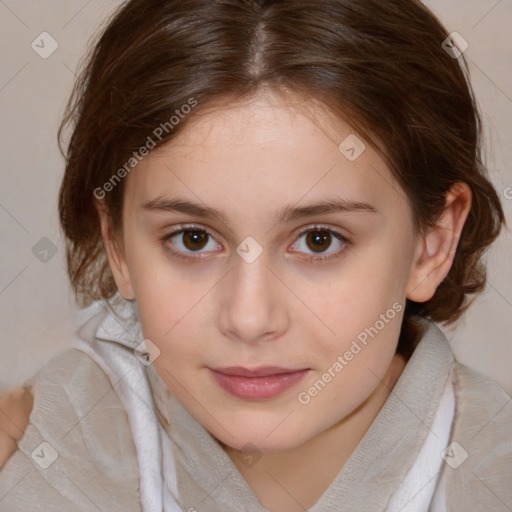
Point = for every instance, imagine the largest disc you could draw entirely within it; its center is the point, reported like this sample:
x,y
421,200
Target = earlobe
x,y
115,254
436,248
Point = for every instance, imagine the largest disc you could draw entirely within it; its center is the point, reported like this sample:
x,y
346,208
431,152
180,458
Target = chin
x,y
259,441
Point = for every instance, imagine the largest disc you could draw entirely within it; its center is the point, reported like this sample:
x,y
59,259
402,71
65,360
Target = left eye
x,y
192,239
318,239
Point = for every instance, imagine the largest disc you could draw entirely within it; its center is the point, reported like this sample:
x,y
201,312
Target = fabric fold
x,y
77,452
110,338
125,443
397,461
183,467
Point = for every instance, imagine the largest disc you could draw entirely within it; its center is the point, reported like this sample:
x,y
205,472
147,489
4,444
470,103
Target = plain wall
x,y
37,309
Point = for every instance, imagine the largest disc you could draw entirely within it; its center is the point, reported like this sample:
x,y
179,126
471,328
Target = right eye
x,y
189,240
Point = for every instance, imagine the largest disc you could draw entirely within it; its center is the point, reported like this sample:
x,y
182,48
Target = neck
x,y
282,481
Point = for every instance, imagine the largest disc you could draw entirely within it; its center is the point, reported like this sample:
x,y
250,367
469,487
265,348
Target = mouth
x,y
258,383
261,371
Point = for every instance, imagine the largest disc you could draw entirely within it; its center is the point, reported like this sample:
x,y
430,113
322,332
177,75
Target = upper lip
x,y
261,371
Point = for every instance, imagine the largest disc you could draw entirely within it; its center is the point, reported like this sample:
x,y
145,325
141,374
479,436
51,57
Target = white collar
x,y
399,452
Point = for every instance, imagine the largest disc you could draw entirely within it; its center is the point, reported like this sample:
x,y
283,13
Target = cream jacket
x,y
78,454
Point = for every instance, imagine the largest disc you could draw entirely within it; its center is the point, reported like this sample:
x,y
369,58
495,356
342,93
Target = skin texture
x,y
15,408
217,310
214,309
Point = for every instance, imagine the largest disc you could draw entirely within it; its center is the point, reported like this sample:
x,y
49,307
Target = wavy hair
x,y
379,65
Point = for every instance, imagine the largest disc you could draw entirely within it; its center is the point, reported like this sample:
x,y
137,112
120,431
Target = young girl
x,y
267,205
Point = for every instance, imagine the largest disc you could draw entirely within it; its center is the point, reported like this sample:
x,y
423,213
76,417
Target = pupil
x,y
318,239
193,239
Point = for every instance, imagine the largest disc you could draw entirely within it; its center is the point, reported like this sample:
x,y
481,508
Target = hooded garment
x,y
106,434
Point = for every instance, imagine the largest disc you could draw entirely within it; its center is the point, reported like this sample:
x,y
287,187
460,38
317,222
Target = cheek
x,y
343,301
381,270
171,321
367,288
174,307
363,308
355,360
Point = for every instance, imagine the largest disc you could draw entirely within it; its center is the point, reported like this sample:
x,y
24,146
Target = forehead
x,y
261,154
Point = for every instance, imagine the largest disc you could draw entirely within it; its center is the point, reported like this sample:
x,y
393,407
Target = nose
x,y
253,305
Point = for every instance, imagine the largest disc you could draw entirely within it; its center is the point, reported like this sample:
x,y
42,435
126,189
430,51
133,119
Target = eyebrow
x,y
285,214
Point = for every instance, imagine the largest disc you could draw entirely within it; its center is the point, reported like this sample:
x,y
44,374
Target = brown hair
x,y
377,64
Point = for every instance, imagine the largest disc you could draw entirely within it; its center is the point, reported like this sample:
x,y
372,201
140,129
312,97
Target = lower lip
x,y
258,388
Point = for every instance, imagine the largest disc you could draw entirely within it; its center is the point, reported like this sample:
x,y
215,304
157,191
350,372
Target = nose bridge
x,y
251,306
250,278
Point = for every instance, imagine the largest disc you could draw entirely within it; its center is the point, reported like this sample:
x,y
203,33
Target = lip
x,y
260,371
258,383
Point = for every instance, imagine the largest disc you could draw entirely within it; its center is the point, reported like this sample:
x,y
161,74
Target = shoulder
x,y
483,406
15,407
77,447
482,430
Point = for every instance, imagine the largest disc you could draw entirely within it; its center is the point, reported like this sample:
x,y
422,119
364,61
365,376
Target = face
x,y
318,292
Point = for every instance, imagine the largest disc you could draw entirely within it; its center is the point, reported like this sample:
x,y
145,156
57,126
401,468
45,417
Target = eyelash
x,y
309,257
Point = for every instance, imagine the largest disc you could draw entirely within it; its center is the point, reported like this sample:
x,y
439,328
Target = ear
x,y
115,253
436,248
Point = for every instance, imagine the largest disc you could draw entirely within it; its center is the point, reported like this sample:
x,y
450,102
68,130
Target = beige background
x,y
37,312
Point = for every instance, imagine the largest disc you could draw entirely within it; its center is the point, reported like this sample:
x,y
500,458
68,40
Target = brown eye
x,y
188,241
194,240
318,241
